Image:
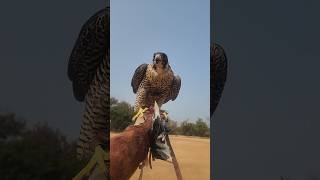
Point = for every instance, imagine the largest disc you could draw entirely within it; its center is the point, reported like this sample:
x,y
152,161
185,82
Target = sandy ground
x,y
193,155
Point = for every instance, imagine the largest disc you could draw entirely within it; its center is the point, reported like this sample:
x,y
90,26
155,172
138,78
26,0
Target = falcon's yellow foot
x,y
139,113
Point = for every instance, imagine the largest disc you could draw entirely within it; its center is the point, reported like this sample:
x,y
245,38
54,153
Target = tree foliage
x,y
120,115
188,128
9,126
36,153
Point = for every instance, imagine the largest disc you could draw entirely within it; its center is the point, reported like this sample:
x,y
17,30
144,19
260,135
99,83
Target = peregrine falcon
x,y
88,69
155,82
218,74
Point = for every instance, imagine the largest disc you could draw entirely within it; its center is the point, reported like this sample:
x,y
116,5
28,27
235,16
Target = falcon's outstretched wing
x,y
138,76
88,52
218,74
176,84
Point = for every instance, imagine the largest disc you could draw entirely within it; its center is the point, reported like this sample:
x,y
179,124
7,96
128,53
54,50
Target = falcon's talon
x,y
139,114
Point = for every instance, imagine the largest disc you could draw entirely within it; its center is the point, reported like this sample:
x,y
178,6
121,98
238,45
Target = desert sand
x,y
193,155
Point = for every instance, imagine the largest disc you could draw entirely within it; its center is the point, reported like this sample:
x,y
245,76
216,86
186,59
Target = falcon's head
x,y
160,61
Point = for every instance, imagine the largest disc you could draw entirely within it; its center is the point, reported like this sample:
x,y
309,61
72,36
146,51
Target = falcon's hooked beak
x,y
160,60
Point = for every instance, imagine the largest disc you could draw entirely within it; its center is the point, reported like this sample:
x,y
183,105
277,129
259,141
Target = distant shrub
x,y
121,114
199,128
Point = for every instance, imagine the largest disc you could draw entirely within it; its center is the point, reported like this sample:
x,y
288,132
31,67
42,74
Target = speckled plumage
x,y
154,84
218,74
88,70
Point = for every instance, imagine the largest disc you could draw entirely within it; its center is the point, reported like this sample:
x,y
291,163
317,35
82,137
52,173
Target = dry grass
x,y
193,155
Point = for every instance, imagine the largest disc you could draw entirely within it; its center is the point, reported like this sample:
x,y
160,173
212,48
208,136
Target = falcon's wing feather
x,y
138,76
176,84
218,74
88,51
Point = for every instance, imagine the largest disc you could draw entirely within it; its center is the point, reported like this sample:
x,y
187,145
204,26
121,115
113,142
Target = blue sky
x,y
181,29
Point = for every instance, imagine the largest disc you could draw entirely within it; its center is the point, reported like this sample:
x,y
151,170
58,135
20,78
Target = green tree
x,y
113,101
201,128
120,114
37,153
9,126
187,128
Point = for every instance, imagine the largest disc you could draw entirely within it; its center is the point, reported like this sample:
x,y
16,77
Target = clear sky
x,y
182,31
